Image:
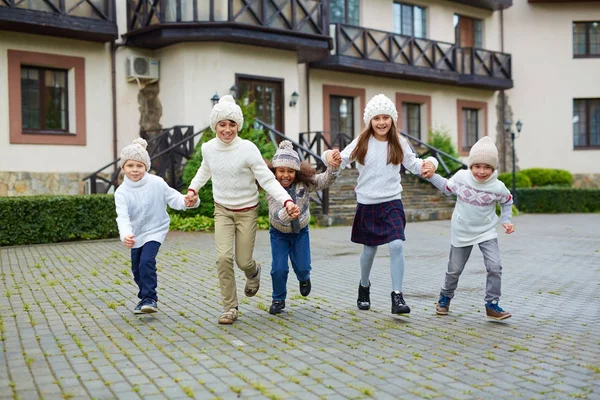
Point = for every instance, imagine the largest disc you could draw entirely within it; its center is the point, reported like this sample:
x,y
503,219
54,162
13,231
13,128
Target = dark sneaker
x,y
493,311
398,304
364,297
305,288
253,284
277,307
138,308
149,306
443,305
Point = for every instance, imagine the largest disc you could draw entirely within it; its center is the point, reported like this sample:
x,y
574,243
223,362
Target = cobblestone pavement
x,y
68,330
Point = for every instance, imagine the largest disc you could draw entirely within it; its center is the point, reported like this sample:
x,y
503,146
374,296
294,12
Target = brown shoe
x,y
228,317
253,284
493,311
443,305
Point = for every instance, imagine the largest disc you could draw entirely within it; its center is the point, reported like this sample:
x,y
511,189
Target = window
x,y
410,20
411,114
341,115
586,39
472,124
345,12
266,93
586,123
44,100
468,31
415,116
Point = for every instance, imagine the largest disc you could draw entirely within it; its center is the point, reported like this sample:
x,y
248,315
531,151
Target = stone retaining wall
x,y
40,183
586,181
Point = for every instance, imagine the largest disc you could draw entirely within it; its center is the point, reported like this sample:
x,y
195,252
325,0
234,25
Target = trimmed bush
x,y
440,139
51,219
522,180
547,176
558,200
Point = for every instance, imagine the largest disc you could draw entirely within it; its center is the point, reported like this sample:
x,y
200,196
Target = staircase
x,y
422,201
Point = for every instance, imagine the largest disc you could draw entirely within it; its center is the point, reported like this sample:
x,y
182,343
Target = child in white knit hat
x,y
141,202
474,221
289,233
380,152
234,165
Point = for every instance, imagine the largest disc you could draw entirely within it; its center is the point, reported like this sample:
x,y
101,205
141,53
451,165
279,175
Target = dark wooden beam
x,y
408,72
563,1
45,23
308,47
492,5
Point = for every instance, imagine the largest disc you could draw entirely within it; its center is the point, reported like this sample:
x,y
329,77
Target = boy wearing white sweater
x,y
142,218
474,222
234,165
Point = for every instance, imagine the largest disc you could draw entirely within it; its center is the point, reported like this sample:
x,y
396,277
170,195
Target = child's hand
x,y
330,156
292,209
510,228
427,169
336,159
296,213
129,241
190,199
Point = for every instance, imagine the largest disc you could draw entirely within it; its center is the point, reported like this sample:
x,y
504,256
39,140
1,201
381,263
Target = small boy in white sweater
x,y
474,222
142,218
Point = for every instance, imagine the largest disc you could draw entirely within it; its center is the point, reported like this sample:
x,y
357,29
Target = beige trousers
x,y
234,228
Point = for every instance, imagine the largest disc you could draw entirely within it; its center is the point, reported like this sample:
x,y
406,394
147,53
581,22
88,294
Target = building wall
x,y
547,78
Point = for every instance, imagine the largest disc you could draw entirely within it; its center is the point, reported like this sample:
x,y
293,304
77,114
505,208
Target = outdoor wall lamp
x,y
215,99
233,91
507,127
294,99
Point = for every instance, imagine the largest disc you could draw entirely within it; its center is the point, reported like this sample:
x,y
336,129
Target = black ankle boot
x,y
364,298
398,304
277,307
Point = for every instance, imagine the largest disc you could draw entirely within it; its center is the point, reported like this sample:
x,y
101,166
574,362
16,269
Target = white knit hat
x,y
484,152
380,104
226,109
286,156
136,151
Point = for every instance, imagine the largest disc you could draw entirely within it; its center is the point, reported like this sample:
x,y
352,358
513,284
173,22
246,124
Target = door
x,y
267,95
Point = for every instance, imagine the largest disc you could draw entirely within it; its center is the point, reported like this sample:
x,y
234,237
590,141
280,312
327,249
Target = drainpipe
x,y
307,97
113,75
503,99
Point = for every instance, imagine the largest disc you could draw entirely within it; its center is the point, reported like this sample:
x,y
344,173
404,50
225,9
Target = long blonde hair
x,y
395,153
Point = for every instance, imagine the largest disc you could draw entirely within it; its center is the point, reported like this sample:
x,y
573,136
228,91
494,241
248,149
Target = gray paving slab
x,y
67,328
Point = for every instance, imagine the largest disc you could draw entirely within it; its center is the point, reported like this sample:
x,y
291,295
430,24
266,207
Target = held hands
x,y
190,199
509,228
427,169
334,158
292,209
129,241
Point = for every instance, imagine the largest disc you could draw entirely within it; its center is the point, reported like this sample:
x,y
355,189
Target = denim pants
x,y
491,259
143,266
296,246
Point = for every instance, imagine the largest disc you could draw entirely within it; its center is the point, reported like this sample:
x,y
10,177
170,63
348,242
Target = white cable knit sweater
x,y
234,168
142,208
378,181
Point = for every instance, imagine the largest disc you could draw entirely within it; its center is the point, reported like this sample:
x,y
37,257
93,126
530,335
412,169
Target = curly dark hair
x,y
306,174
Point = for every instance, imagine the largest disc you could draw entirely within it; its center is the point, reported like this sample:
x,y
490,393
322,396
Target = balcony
x,y
297,25
92,20
378,53
492,5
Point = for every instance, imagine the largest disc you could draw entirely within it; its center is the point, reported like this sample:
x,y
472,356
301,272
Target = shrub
x,y
50,219
440,139
558,200
548,176
522,180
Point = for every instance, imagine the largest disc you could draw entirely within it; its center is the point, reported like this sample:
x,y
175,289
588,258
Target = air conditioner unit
x,y
142,68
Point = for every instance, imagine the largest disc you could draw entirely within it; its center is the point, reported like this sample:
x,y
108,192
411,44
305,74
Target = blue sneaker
x,y
149,306
138,308
493,311
443,305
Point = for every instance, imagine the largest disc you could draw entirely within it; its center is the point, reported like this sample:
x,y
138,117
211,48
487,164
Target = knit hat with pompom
x,y
226,109
286,156
380,104
136,151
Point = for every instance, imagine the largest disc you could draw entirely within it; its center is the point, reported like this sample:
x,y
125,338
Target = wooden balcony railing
x,y
79,19
358,48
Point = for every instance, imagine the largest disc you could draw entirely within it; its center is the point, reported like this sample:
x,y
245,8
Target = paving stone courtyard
x,y
68,332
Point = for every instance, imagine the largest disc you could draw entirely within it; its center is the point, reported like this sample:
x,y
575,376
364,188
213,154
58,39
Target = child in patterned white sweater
x,y
474,221
289,232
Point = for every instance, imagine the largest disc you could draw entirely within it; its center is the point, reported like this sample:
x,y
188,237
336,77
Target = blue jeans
x,y
143,266
296,246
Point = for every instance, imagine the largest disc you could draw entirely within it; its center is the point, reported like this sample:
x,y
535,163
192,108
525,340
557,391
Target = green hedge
x,y
50,219
521,180
558,200
547,176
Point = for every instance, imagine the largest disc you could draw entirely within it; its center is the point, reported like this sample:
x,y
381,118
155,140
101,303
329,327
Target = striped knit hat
x,y
286,156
